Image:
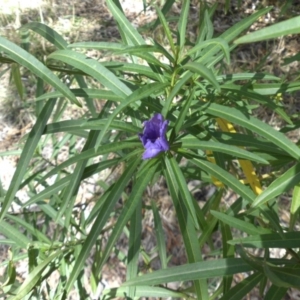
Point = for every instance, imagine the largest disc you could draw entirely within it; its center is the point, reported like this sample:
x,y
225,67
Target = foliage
x,y
213,137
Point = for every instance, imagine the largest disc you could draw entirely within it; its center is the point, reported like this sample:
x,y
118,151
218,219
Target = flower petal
x,y
164,143
151,152
152,149
154,136
163,128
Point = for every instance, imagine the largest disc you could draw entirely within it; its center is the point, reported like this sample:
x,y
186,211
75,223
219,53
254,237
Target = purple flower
x,y
154,136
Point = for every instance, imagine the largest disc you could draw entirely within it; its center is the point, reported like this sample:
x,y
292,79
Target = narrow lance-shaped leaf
x,y
14,234
83,92
190,142
160,237
204,72
228,251
192,271
229,35
94,69
218,41
290,26
182,23
255,125
272,240
48,33
16,75
134,246
284,277
173,167
186,225
242,289
295,206
276,293
167,30
25,59
98,45
144,291
128,209
68,195
32,279
101,221
124,24
225,178
104,149
239,224
27,153
280,185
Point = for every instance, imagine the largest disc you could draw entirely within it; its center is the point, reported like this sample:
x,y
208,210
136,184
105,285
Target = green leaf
x,y
290,26
204,72
295,206
14,234
167,6
32,278
192,271
139,50
275,88
30,229
224,177
27,153
98,46
246,140
284,277
160,237
280,185
231,34
68,195
218,41
275,293
242,289
16,75
207,231
134,246
248,76
186,221
89,93
235,116
128,209
190,142
104,149
272,240
239,27
182,23
175,90
205,27
144,291
11,274
100,222
239,224
183,112
242,92
48,33
36,67
126,27
59,185
94,69
91,124
228,251
167,30
174,169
